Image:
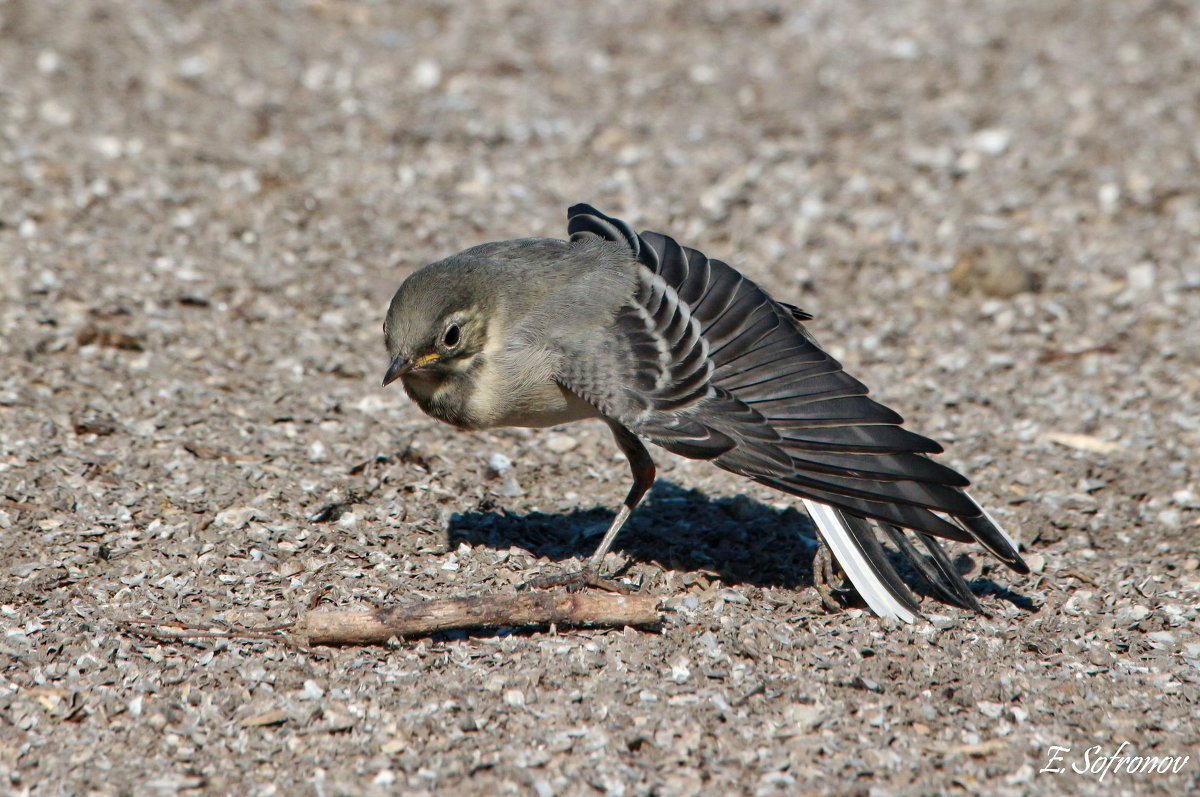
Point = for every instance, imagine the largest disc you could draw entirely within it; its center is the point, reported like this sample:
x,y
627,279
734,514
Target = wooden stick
x,y
365,627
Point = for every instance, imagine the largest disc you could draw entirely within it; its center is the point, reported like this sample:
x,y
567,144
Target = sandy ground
x,y
992,207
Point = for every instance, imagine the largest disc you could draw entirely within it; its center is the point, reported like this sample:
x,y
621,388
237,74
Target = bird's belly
x,y
546,405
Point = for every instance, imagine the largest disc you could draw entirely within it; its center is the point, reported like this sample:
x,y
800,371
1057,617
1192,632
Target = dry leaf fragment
x,y
1084,442
108,338
274,717
980,749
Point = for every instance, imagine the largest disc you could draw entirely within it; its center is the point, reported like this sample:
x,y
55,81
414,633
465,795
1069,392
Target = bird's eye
x,y
451,336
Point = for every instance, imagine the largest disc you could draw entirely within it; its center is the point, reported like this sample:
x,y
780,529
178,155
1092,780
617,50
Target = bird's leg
x,y
642,468
822,575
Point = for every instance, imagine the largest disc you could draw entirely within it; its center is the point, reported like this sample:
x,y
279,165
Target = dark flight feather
x,y
726,373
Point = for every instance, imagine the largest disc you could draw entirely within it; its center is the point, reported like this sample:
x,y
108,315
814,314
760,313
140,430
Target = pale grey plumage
x,y
667,345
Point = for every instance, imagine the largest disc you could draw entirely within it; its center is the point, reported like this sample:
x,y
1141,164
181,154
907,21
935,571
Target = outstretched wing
x,y
721,371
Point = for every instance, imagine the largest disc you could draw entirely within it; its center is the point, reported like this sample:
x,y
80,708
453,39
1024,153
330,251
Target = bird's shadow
x,y
740,540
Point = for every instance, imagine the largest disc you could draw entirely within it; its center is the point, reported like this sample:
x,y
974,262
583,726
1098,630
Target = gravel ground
x,y
992,208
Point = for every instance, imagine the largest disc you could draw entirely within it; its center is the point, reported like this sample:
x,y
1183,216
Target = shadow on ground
x,y
741,540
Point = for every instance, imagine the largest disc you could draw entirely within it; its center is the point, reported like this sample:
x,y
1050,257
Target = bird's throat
x,y
444,392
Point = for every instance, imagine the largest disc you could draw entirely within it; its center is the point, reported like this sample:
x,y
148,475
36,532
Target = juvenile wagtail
x,y
665,344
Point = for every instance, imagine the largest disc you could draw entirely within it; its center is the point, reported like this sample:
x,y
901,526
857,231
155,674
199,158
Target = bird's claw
x,y
574,582
823,578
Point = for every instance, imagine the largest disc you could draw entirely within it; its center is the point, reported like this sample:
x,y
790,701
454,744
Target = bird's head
x,y
437,324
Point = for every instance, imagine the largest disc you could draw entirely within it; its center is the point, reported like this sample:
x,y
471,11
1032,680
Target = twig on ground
x,y
1054,355
374,626
364,627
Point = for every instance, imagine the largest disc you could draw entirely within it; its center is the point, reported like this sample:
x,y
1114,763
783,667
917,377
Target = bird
x,y
669,346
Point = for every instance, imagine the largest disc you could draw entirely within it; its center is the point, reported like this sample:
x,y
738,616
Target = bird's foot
x,y
823,579
573,582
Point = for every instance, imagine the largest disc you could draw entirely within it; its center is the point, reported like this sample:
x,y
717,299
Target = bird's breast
x,y
518,388
547,405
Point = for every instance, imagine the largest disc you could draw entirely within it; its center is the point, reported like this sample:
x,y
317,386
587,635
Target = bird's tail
x,y
866,562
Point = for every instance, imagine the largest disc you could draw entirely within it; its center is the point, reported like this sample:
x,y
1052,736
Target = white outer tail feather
x,y
852,560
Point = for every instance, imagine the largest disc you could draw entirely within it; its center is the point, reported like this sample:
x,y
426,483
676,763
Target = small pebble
x,y
991,141
989,709
426,74
561,443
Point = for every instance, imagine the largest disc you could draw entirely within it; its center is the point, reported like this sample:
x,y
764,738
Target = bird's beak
x,y
398,367
401,365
